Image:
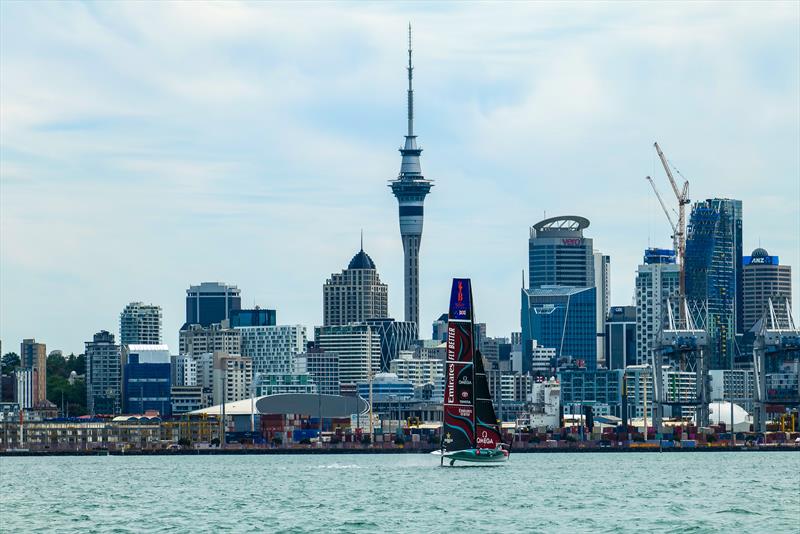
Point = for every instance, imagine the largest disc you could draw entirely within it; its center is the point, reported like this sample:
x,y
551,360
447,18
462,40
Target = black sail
x,y
487,432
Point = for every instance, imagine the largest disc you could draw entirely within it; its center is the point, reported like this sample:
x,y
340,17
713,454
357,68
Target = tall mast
x,y
410,87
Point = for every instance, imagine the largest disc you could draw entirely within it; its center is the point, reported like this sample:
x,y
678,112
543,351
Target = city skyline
x,y
163,174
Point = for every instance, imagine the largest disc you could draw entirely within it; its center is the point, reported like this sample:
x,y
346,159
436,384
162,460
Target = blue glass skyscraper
x,y
562,318
714,273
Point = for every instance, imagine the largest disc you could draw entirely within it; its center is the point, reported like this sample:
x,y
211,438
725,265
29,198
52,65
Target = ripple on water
x,y
316,494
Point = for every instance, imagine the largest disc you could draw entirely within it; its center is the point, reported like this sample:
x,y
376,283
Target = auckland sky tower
x,y
410,188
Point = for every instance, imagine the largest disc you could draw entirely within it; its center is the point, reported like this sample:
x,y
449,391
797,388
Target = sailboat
x,y
471,431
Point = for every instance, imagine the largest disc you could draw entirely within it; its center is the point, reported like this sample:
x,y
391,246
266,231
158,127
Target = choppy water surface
x,y
699,492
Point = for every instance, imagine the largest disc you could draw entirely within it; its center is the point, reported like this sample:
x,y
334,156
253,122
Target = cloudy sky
x,y
146,147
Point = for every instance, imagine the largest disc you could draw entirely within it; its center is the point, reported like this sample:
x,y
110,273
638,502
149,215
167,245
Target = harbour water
x,y
614,492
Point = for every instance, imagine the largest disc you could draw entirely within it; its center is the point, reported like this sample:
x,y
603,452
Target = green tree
x,y
10,362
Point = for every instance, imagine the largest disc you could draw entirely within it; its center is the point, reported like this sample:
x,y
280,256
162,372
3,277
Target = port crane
x,y
679,229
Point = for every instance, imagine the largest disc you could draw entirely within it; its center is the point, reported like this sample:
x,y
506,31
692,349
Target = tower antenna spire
x,y
362,240
410,88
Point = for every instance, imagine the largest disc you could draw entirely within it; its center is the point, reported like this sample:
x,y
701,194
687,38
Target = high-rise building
x,y
602,281
713,272
25,388
254,317
358,347
410,188
233,377
559,254
196,339
420,371
395,336
146,379
562,318
273,348
140,324
211,302
602,389
103,375
184,370
765,278
439,332
621,337
323,367
33,356
355,294
657,283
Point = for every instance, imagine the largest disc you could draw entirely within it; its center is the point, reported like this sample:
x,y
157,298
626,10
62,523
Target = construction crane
x,y
674,235
679,230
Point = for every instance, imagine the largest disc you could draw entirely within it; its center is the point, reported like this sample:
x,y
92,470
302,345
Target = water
x,y
613,492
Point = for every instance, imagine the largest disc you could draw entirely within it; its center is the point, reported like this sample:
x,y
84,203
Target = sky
x,y
145,147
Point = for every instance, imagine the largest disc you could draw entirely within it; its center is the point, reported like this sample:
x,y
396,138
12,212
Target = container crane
x,y
679,230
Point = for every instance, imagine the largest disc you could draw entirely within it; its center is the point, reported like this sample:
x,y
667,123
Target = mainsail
x,y
487,434
469,418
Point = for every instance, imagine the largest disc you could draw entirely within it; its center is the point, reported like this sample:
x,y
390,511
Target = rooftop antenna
x,y
410,88
362,240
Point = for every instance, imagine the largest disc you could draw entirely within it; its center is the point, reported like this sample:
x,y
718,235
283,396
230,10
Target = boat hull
x,y
480,456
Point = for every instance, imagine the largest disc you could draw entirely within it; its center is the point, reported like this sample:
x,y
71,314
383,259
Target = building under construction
x,y
713,272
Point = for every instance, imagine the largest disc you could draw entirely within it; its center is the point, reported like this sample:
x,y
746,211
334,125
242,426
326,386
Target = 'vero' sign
x,y
572,241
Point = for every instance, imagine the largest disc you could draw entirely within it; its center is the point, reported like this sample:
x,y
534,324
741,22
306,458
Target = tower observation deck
x,y
410,189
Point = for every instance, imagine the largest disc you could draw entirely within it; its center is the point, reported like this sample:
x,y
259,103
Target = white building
x,y
197,339
184,371
655,283
233,378
273,348
419,371
358,347
737,385
545,402
602,283
26,386
542,359
140,324
323,367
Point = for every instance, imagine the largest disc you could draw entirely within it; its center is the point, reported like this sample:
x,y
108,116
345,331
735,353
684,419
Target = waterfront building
x,y
419,371
103,375
386,387
33,356
602,282
140,324
713,272
7,387
602,389
657,284
187,399
734,385
516,387
410,188
211,302
284,383
562,318
395,336
358,347
431,349
545,403
559,254
620,337
323,367
146,379
253,317
356,294
233,377
764,278
273,348
679,392
196,339
25,388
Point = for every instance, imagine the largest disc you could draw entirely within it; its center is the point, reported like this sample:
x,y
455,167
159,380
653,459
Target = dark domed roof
x,y
759,253
361,261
